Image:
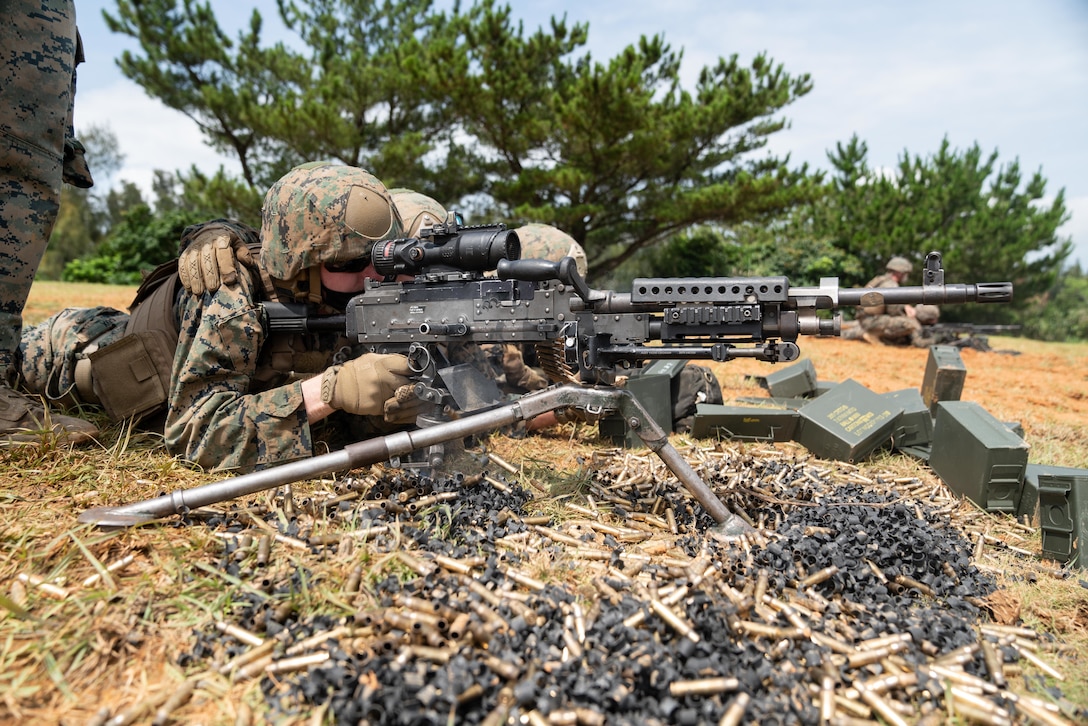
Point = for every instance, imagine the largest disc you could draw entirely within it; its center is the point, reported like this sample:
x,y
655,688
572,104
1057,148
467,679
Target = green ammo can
x,y
915,424
1063,510
944,376
794,381
848,422
1029,499
653,387
977,456
744,423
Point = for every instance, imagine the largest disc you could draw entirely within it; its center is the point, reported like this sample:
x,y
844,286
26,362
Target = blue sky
x,y
1009,75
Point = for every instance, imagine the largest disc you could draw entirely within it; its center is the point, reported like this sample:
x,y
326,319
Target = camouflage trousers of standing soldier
x,y
37,73
49,353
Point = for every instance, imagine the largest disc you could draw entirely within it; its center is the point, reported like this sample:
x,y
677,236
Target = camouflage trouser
x,y
892,329
38,39
48,352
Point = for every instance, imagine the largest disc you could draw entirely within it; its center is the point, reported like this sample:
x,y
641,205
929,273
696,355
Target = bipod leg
x,y
643,424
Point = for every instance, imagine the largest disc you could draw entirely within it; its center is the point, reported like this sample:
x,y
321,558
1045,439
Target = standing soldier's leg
x,y
38,38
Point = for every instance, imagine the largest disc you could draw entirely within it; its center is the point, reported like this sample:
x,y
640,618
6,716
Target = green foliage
x,y
142,241
989,222
468,108
1061,314
619,155
221,195
695,253
85,214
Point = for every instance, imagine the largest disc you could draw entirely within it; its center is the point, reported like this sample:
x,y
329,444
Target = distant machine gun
x,y
947,332
469,285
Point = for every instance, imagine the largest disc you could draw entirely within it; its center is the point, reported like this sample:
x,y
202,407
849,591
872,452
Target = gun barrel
x,y
983,292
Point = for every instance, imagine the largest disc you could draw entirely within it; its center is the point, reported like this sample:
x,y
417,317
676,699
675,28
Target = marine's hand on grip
x,y
405,406
363,385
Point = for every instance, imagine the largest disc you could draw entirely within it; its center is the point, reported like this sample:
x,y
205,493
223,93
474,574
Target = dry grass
x,y
116,642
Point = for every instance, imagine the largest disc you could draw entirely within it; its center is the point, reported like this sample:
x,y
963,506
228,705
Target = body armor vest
x,y
132,376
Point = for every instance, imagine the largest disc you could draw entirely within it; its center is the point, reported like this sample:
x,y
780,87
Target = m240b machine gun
x,y
469,285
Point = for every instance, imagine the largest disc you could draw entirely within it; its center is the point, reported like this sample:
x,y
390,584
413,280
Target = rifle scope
x,y
448,248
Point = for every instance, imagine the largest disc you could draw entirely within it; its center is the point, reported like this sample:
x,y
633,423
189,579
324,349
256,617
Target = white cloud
x,y
152,137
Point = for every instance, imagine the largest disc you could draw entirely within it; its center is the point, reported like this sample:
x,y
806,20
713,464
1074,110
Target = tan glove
x,y
211,260
363,385
404,406
517,373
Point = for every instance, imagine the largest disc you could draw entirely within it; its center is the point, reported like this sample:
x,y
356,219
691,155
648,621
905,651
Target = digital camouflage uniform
x,y
41,48
235,399
37,87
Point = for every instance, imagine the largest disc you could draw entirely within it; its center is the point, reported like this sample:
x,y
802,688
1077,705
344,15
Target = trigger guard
x,y
419,358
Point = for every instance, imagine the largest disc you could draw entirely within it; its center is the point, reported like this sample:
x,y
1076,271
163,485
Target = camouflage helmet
x,y
899,264
927,314
417,210
544,242
321,212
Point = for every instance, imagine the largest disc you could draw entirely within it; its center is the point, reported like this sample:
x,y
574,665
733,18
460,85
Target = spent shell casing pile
x,y
850,603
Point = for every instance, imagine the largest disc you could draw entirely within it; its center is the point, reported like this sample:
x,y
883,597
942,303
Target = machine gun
x,y
949,332
469,285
